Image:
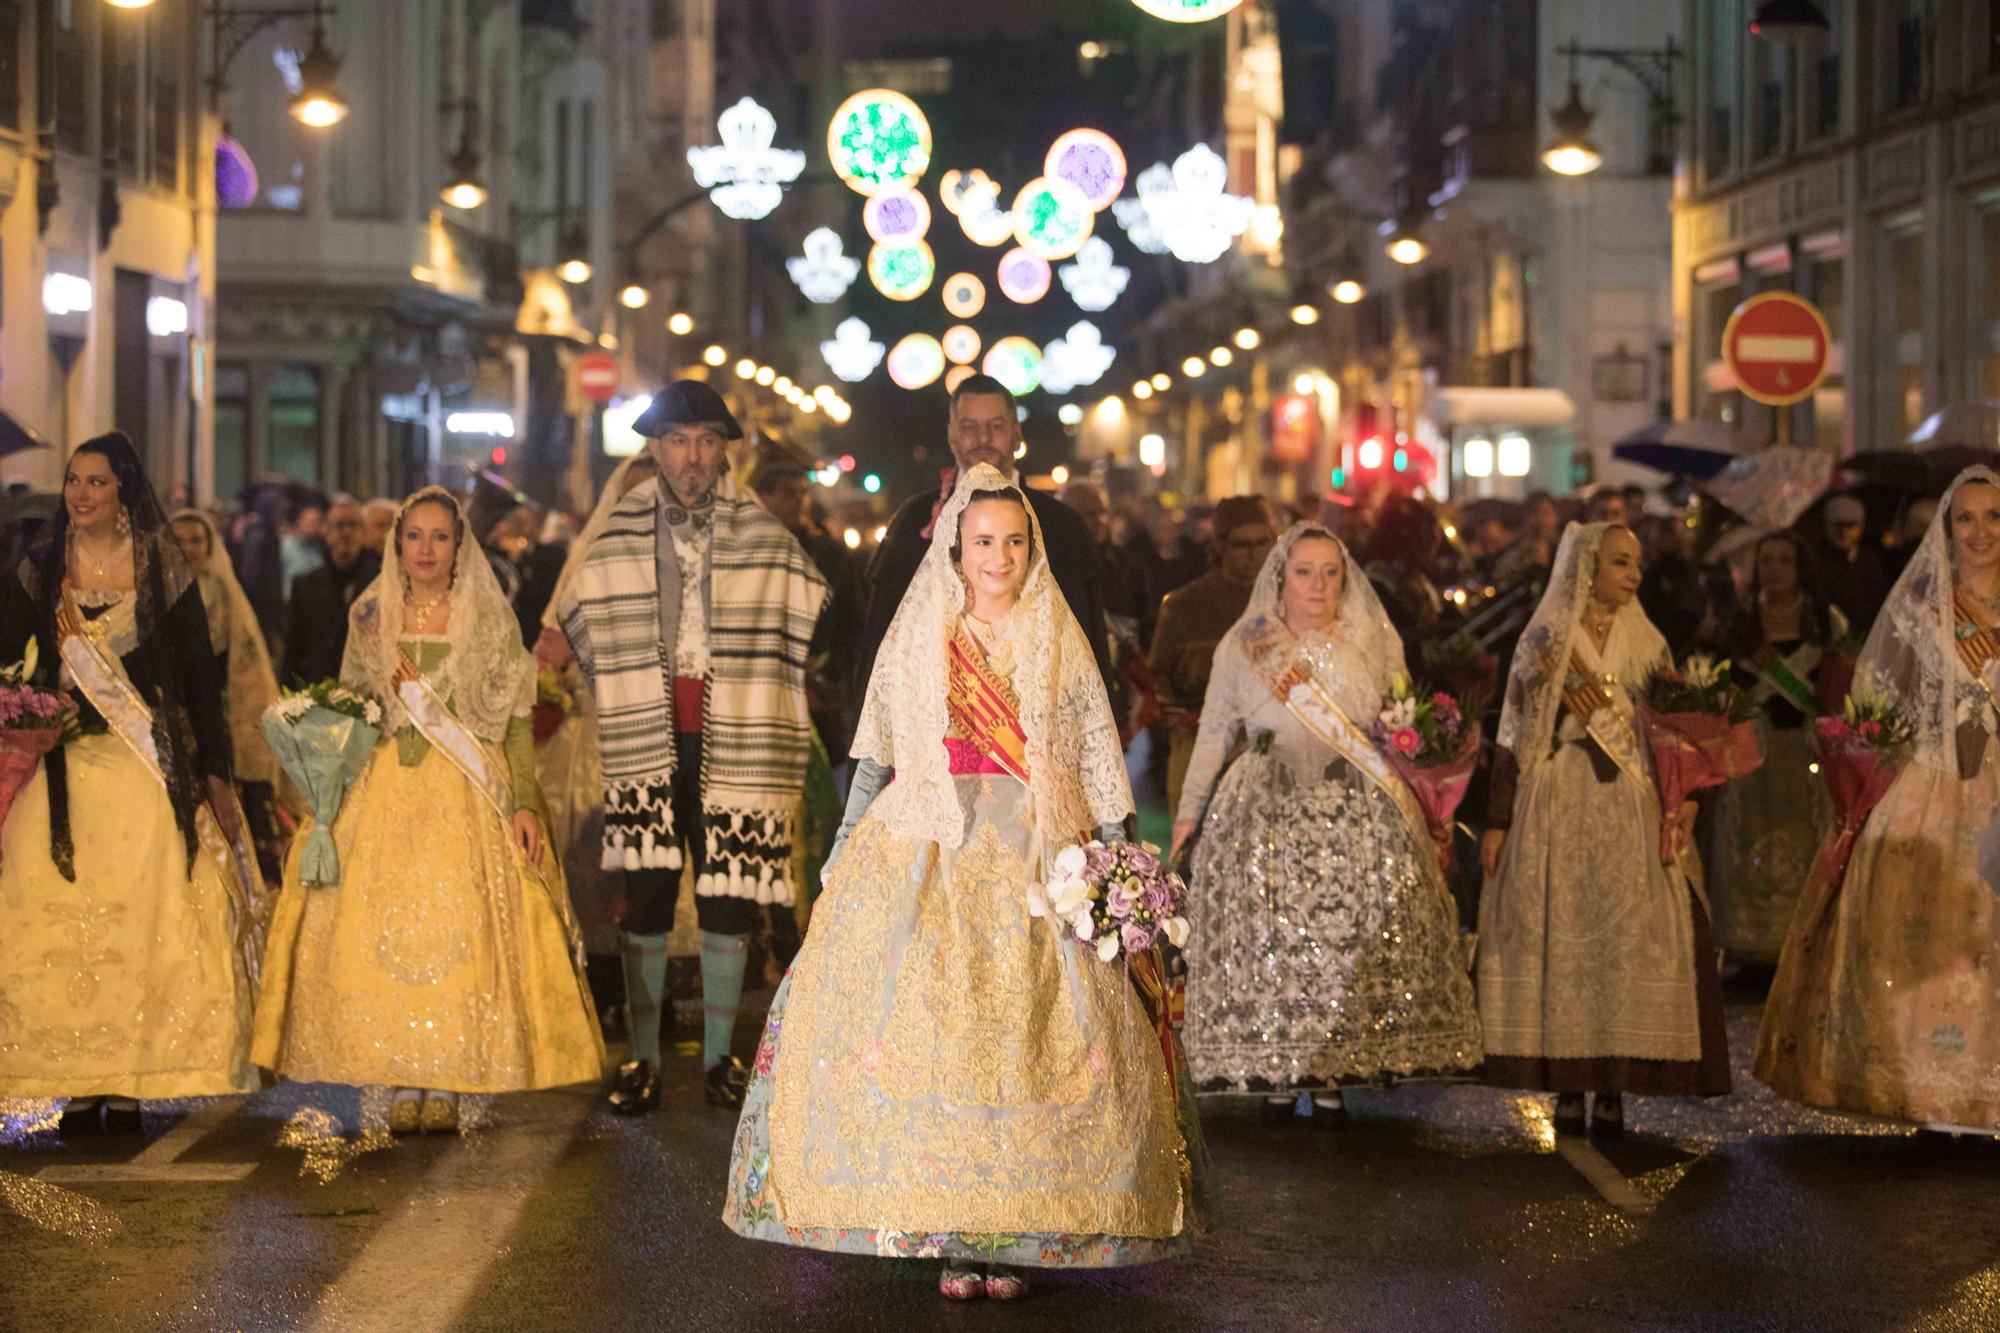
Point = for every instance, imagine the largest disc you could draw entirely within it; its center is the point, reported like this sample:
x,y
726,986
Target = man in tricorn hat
x,y
691,616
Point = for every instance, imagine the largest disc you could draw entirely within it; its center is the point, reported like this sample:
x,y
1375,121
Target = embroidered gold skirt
x,y
438,961
128,982
942,1075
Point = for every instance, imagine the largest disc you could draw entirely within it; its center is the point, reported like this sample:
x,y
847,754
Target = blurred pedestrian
x,y
1194,620
1851,575
378,516
1529,558
1162,559
316,618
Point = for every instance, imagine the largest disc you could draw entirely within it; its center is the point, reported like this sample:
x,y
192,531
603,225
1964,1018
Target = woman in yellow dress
x,y
444,961
249,685
1884,998
128,960
944,1075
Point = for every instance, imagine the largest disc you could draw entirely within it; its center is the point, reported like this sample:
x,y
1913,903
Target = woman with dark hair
x,y
1769,825
123,902
446,960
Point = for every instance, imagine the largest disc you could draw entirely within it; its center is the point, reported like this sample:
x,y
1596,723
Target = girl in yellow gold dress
x,y
129,951
445,960
943,1075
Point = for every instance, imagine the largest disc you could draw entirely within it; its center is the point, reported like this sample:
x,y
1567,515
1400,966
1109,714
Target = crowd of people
x,y
699,693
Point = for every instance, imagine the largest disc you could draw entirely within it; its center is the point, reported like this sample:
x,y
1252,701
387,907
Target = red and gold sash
x,y
984,712
1976,646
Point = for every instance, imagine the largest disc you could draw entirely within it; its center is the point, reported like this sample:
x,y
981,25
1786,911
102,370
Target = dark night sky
x,y
870,24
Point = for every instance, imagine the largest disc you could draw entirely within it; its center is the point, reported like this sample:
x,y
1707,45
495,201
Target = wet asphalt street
x,y
1433,1208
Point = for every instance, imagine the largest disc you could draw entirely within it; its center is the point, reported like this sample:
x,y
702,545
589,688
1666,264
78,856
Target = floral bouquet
x,y
553,703
1859,751
1433,742
31,724
322,736
1122,899
1697,724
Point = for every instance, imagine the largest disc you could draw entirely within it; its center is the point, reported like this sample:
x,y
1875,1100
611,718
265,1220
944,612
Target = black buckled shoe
x,y
725,1083
122,1117
83,1115
637,1089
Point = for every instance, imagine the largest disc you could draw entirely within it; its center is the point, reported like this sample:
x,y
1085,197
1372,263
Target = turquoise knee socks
x,y
645,990
722,961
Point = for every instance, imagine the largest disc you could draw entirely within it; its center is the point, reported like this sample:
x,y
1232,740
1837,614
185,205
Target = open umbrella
x,y
1773,486
15,436
1925,471
1697,449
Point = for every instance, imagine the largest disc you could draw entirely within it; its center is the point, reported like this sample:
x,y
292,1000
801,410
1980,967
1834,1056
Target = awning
x,y
1470,406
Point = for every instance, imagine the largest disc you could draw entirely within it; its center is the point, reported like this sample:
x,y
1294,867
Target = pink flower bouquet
x,y
1432,741
1859,750
31,724
1698,728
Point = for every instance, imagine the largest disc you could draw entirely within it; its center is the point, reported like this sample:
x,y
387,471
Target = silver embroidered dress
x,y
1325,947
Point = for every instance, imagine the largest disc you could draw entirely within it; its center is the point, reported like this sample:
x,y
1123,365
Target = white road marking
x,y
1776,347
160,1159
1596,1168
426,1262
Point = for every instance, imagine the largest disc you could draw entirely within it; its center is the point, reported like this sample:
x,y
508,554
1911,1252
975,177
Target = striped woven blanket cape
x,y
764,598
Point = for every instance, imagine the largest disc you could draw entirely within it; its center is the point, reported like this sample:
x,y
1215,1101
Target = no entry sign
x,y
597,376
1776,346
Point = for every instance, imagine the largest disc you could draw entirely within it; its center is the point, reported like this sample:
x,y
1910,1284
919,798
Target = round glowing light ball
x,y
981,217
1052,218
964,295
916,361
896,215
1016,362
955,185
878,138
902,272
961,344
1092,161
1024,276
1187,11
956,376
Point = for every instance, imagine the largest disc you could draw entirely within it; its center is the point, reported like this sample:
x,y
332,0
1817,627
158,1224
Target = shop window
x,y
293,437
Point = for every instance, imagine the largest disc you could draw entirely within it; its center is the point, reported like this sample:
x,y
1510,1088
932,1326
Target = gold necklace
x,y
96,566
424,607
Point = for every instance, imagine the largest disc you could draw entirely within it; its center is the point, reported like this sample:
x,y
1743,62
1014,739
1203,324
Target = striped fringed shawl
x,y
764,598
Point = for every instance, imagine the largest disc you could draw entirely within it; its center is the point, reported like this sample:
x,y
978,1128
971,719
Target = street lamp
x,y
463,188
1789,22
319,103
1572,152
1404,245
1347,291
574,267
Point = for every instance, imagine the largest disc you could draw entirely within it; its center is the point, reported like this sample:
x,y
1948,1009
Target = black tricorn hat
x,y
686,403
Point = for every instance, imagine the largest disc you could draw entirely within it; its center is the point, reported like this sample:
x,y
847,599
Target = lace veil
x,y
252,684
1356,660
1076,769
1911,655
615,490
1633,650
487,678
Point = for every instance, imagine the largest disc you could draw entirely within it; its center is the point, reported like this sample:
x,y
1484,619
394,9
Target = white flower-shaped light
x,y
1184,210
744,175
851,353
1093,280
980,214
824,272
1077,358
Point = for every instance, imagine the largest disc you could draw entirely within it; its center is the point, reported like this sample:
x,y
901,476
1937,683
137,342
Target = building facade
x,y
1861,171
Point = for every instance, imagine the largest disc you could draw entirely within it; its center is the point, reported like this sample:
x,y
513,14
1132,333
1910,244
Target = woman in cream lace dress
x,y
444,961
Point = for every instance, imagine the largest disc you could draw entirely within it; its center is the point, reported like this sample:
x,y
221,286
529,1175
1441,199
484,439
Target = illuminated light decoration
x,y
956,376
1220,357
495,425
1400,460
1303,383
620,440
878,138
1184,210
1369,455
827,476
902,272
1092,161
1070,415
1052,218
961,344
633,296
1024,276
745,369
964,295
846,462
1094,281
766,375
1017,363
1347,291
882,531
896,216
1162,382
1247,339
713,355
66,294
1305,313
166,316
1080,357
916,362
851,539
954,185
1515,456
782,383
1152,450
1194,367
236,183
745,176
823,273
1187,11
981,217
825,395
1142,390
871,483
680,324
1021,449
805,405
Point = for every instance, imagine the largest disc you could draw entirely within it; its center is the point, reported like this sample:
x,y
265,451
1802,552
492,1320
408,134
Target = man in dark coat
x,y
984,427
316,618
